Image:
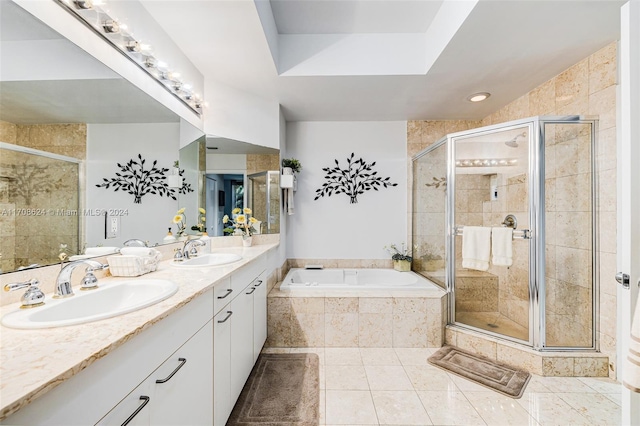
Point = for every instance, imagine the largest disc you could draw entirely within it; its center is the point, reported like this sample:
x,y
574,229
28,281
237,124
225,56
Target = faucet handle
x,y
178,256
32,297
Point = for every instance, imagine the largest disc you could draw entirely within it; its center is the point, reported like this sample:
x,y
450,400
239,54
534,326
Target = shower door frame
x,y
267,174
536,184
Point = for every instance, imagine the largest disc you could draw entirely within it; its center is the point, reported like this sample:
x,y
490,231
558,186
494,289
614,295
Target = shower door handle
x,y
623,279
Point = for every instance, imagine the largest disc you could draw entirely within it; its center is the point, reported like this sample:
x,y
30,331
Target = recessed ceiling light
x,y
478,97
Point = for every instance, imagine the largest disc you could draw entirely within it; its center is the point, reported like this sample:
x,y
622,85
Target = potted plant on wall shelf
x,y
291,166
402,257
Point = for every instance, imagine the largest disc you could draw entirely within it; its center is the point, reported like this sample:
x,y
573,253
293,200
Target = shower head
x,y
513,143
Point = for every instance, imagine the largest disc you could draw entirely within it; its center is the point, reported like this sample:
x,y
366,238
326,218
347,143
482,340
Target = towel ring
x,y
510,221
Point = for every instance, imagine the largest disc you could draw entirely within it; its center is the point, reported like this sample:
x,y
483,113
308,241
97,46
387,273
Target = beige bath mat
x,y
282,390
499,377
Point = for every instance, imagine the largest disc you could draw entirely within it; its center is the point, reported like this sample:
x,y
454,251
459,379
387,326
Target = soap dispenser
x,y
169,238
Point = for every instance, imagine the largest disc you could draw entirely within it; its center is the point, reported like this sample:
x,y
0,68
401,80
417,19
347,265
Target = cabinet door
x,y
259,315
241,340
185,391
222,403
135,408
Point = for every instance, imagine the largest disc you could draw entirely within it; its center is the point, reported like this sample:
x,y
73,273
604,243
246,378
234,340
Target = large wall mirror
x,y
69,129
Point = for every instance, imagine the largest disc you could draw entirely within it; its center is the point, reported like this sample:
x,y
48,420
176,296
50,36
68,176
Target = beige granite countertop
x,y
32,362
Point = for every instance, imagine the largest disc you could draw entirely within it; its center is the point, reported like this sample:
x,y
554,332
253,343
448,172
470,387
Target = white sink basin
x,y
109,300
213,259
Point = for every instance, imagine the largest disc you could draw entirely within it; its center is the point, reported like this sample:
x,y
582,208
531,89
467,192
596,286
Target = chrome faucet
x,y
63,282
32,297
135,242
189,249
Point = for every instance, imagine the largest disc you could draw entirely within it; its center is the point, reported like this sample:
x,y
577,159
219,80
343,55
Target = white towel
x,y
101,251
137,251
476,243
289,201
502,246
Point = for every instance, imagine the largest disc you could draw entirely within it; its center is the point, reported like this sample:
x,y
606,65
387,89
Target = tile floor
x,y
387,386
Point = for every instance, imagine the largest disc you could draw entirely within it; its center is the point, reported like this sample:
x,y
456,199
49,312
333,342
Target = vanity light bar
x,y
487,162
116,34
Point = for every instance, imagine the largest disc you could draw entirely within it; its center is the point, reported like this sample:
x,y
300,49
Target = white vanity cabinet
x,y
109,390
179,392
259,314
234,337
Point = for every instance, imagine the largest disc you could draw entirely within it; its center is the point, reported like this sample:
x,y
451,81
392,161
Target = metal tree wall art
x,y
356,178
134,179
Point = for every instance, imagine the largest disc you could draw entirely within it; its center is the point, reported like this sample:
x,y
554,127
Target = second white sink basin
x,y
212,259
111,299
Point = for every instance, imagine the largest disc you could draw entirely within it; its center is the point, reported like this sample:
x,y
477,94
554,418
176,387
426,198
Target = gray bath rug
x,y
499,377
282,390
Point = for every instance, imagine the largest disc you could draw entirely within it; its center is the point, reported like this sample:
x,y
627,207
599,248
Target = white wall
x,y
331,228
239,115
108,144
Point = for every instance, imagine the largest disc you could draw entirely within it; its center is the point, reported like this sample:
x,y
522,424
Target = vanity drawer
x,y
222,294
245,275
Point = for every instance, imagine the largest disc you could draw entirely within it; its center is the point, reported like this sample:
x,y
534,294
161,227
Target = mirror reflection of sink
x,y
213,259
109,300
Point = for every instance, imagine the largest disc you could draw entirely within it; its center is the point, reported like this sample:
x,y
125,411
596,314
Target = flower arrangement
x,y
241,224
180,220
404,253
293,164
200,227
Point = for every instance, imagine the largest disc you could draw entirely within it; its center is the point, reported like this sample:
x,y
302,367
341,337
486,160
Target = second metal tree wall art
x,y
134,179
353,180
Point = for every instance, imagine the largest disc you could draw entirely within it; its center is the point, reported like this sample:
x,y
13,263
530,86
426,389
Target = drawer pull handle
x,y
258,283
183,361
229,290
135,413
226,318
252,290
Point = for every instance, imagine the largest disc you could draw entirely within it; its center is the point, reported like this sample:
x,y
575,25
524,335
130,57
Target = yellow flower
x,y
201,210
181,210
241,219
235,211
203,219
247,210
253,220
177,218
225,219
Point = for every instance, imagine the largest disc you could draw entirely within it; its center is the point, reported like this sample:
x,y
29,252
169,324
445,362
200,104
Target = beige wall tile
x,y
572,85
603,104
307,330
602,68
341,330
341,305
375,330
519,358
542,99
375,305
307,305
410,330
557,366
591,367
477,344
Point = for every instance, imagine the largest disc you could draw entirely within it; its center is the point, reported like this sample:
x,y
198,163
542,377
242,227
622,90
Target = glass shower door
x,y
491,189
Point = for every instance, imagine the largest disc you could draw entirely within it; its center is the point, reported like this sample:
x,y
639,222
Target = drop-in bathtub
x,y
354,279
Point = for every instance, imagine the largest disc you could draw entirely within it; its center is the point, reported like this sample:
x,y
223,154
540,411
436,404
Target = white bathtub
x,y
354,279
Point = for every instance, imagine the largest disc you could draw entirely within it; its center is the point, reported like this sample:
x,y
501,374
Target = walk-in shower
x,y
537,176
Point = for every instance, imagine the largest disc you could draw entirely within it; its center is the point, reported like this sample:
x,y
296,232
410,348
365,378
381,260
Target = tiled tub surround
x,y
367,318
33,362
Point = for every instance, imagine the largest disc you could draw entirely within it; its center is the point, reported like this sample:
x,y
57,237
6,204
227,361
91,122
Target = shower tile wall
x,y
259,163
587,88
45,232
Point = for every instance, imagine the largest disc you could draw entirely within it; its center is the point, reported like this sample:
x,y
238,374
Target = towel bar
x,y
524,234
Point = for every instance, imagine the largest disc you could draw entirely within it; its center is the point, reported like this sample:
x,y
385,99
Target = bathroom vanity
x,y
181,361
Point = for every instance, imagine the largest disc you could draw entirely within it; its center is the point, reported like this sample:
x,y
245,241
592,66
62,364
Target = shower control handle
x,y
623,279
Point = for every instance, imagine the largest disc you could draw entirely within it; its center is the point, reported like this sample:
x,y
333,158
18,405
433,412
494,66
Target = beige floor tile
x,y
379,356
429,378
536,384
566,384
615,397
497,409
342,356
317,351
387,378
602,384
346,377
450,408
597,408
549,410
399,408
414,356
350,408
